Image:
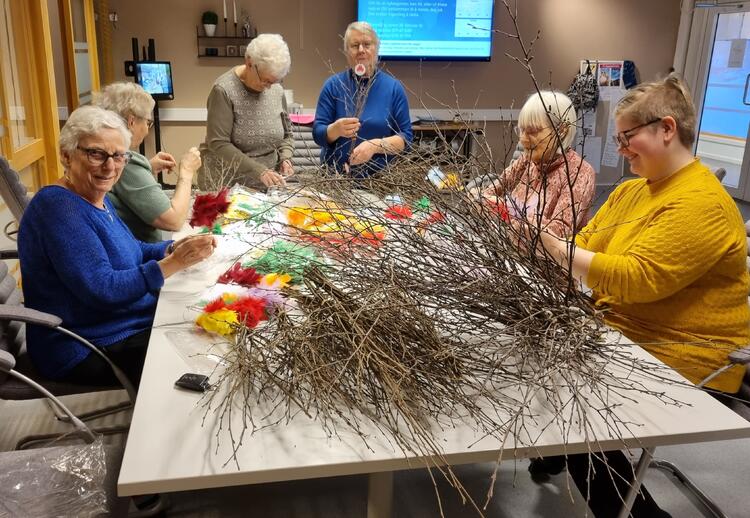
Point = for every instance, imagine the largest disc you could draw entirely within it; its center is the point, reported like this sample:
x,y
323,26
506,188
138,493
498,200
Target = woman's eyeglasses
x,y
622,139
99,156
265,82
367,45
149,122
527,131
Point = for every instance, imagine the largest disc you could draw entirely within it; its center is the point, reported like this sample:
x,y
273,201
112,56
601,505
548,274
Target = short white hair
x,y
271,53
540,107
125,98
364,28
90,120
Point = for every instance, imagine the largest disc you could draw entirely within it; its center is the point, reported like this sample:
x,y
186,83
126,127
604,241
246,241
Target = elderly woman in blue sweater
x,y
80,262
362,118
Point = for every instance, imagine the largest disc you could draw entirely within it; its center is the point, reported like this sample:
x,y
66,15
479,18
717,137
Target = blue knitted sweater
x,y
386,113
83,264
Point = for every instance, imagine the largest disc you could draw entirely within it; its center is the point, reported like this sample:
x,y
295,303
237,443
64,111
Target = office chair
x,y
13,316
14,194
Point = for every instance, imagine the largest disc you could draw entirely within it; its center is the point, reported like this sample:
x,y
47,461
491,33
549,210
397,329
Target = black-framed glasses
x,y
622,139
97,156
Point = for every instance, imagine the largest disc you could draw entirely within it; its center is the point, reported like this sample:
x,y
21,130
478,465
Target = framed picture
x,y
231,50
243,48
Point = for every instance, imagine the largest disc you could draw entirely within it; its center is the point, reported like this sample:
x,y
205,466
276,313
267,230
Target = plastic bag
x,y
59,481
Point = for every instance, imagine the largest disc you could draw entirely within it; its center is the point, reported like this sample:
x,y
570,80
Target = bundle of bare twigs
x,y
454,316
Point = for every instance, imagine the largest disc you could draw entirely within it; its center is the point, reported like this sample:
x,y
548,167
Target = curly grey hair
x,y
90,120
270,53
125,99
364,28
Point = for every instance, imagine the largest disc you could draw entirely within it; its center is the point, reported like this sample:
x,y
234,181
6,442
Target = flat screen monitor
x,y
156,78
445,30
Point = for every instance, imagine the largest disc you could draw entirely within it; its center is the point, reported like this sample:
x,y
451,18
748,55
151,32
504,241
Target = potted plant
x,y
209,19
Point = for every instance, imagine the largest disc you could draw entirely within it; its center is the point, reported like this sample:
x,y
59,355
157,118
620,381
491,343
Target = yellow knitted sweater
x,y
670,263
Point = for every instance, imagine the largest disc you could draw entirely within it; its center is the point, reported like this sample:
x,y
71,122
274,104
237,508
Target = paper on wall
x,y
592,152
609,73
610,157
588,124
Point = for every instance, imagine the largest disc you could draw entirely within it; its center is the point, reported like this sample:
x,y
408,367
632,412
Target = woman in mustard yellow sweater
x,y
666,253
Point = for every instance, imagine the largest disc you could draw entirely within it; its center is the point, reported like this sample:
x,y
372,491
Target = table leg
x,y
380,495
640,473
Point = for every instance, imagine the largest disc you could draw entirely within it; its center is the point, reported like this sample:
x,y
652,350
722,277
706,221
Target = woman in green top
x,y
137,196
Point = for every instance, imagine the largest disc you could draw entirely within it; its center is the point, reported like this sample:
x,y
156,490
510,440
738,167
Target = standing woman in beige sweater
x,y
248,135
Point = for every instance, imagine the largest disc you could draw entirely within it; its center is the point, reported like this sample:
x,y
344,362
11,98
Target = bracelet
x,y
170,248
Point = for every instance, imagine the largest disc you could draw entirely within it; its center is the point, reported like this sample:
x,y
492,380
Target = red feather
x,y
238,275
435,217
500,209
399,212
250,310
214,305
208,207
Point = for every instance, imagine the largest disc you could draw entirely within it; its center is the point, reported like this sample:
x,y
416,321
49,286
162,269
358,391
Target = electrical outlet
x,y
113,16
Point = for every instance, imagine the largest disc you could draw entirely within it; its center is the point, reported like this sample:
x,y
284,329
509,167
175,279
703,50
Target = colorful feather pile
x,y
208,207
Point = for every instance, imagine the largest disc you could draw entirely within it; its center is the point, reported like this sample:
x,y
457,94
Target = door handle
x,y
744,94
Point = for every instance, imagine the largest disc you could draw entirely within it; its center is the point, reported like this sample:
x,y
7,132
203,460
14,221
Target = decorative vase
x,y
209,28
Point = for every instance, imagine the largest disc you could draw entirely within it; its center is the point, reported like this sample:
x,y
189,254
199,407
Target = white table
x,y
169,450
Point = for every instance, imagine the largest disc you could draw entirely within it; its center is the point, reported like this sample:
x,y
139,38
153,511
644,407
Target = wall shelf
x,y
222,44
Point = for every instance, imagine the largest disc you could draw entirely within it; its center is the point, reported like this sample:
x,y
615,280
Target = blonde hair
x,y
540,107
667,97
125,99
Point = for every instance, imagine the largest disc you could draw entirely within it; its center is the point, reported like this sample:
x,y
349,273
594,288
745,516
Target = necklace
x,y
69,186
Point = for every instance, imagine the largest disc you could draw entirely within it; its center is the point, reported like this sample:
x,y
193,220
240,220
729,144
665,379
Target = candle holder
x,y
225,27
235,29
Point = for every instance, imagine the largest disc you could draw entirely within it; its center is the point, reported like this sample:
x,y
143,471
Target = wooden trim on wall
x,y
45,72
91,41
67,34
34,59
104,43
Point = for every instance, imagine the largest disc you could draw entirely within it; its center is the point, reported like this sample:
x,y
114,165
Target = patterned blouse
x,y
530,191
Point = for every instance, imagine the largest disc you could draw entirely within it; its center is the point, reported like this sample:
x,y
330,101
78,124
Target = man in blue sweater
x,y
362,118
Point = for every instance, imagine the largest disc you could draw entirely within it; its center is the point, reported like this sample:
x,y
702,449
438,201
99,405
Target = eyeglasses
x,y
622,139
149,122
527,131
264,82
99,156
367,45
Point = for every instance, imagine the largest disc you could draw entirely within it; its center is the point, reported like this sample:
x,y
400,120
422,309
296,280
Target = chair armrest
x,y
32,316
8,254
740,356
7,361
28,315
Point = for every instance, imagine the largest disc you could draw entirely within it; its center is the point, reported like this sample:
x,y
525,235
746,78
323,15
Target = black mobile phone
x,y
191,381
